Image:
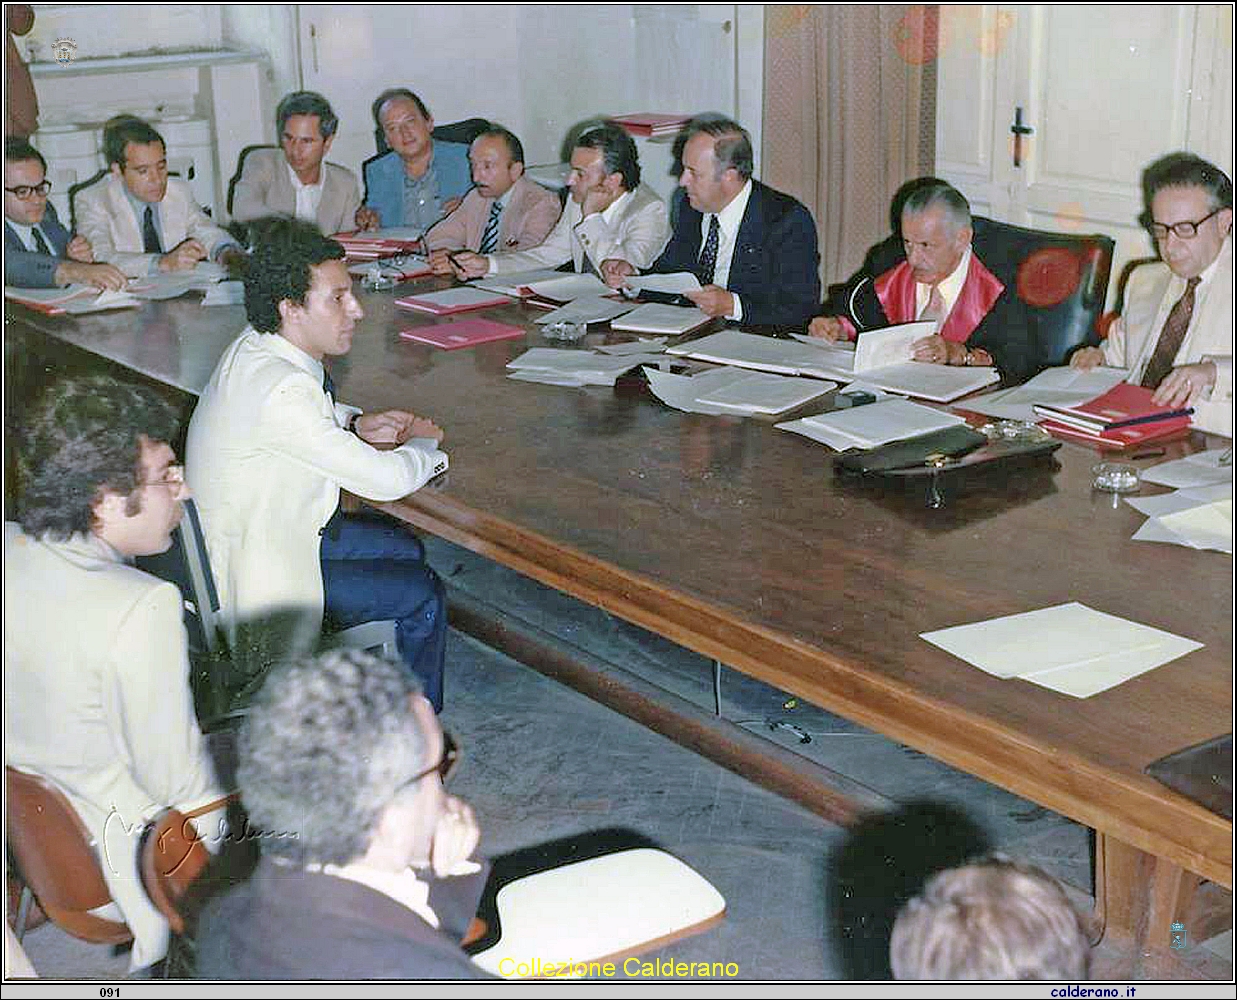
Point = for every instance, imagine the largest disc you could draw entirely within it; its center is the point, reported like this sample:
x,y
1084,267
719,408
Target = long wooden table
x,y
735,540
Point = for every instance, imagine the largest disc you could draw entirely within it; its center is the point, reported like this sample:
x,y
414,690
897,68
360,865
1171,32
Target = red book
x,y
453,300
1120,437
1124,405
462,333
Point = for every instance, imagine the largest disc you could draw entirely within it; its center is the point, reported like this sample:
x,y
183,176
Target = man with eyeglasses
x,y
366,868
96,668
1175,334
38,250
420,180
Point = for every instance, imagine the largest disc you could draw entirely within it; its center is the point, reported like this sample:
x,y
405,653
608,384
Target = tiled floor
x,y
805,898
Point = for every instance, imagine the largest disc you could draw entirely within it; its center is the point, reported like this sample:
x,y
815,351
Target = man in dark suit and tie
x,y
753,248
38,251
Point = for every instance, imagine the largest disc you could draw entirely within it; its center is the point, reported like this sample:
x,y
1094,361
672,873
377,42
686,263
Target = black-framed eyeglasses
x,y
24,192
445,766
1182,230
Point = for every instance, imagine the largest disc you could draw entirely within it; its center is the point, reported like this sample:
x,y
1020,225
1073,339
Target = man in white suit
x,y
296,180
96,671
609,216
1175,334
140,219
271,448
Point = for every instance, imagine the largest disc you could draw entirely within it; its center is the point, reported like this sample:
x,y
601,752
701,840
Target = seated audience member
x,y
365,870
271,450
753,248
96,670
610,215
1175,334
938,272
38,251
992,919
504,210
299,182
139,218
421,179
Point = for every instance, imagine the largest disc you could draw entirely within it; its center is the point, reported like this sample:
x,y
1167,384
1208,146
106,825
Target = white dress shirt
x,y
728,221
308,196
950,288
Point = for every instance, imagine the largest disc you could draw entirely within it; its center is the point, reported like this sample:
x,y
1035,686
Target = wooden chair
x,y
58,860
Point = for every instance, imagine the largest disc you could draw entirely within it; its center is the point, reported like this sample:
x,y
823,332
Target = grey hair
x,y
942,195
327,743
732,146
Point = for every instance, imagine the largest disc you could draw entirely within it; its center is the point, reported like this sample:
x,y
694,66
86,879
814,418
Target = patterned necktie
x,y
489,239
40,244
1171,336
934,310
150,235
708,256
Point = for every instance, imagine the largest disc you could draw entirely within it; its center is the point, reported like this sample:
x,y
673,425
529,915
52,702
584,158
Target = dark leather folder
x,y
1202,773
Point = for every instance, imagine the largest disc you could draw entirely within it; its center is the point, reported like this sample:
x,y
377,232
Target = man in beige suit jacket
x,y
298,182
138,218
522,211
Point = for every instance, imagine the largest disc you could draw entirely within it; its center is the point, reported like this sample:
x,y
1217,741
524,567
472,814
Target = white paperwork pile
x,y
1070,648
1053,386
73,299
1199,513
562,366
864,427
730,390
873,359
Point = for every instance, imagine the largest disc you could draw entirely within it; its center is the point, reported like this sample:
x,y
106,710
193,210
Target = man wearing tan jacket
x,y
504,211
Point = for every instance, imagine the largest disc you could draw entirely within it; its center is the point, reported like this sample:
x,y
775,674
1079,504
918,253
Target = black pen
x,y
1158,453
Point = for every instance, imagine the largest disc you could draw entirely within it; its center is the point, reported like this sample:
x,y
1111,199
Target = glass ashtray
x,y
1115,477
1015,430
564,332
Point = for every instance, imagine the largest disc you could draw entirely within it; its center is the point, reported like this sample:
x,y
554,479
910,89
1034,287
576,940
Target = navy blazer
x,y
775,269
28,268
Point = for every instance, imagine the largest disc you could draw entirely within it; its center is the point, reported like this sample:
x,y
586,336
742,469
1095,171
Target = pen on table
x,y
1157,453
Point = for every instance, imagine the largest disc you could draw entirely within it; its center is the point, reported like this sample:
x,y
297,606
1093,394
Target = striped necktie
x,y
40,244
489,239
1171,336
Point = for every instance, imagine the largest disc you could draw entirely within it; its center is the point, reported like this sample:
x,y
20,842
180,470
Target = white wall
x,y
103,30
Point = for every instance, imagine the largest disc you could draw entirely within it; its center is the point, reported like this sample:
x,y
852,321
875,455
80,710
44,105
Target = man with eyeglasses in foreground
x,y
1175,334
96,668
38,250
366,869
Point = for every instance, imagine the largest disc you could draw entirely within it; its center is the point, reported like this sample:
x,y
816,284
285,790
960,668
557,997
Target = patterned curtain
x,y
849,115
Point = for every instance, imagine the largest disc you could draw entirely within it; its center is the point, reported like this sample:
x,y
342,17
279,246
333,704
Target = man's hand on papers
x,y
367,218
183,257
1087,358
938,351
104,276
467,264
79,249
713,301
1183,385
615,272
827,328
440,262
395,427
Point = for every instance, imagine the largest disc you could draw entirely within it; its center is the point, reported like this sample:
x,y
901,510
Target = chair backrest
x,y
240,169
171,856
81,186
1062,277
55,854
187,564
462,131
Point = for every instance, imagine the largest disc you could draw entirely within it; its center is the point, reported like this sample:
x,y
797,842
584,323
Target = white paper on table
x,y
889,345
675,283
762,392
390,233
569,287
589,309
1036,642
548,378
510,284
1202,469
1086,679
1170,503
225,293
104,300
682,391
1054,386
1209,526
879,423
640,346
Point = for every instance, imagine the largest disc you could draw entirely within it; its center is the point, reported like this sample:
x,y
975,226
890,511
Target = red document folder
x,y
462,333
1120,437
1123,405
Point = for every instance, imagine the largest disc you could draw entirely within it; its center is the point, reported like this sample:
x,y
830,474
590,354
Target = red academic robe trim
x,y
896,291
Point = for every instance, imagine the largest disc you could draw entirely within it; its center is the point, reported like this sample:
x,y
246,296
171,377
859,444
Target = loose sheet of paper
x,y
1202,469
1054,386
869,426
1069,648
589,309
676,283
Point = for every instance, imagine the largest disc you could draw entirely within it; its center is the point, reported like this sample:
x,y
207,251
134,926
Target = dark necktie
x,y
1171,336
328,386
586,266
708,256
489,239
40,244
150,236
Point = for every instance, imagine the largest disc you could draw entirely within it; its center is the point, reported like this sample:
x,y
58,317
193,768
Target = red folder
x,y
1124,405
462,333
1120,437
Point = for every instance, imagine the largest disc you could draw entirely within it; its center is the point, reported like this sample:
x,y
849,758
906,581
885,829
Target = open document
x,y
1053,386
731,390
1069,648
870,426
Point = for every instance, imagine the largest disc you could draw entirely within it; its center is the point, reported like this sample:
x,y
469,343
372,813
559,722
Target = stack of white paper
x,y
225,293
589,309
727,390
1053,386
875,424
654,317
569,287
100,303
1200,469
675,283
1200,517
1069,648
516,283
640,345
559,366
172,284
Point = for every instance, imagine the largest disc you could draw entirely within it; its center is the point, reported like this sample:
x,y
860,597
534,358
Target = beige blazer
x,y
526,221
1152,292
635,229
106,218
97,701
265,188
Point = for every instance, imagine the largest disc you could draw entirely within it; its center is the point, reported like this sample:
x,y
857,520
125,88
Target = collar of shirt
x,y
616,206
950,288
26,235
282,346
1176,287
729,218
299,185
139,209
403,887
308,196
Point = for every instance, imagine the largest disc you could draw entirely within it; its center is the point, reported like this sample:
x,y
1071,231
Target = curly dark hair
x,y
84,437
618,152
327,743
284,250
1187,170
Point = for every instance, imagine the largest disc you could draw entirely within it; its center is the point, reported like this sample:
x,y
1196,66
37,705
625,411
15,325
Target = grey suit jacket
x,y
265,188
27,268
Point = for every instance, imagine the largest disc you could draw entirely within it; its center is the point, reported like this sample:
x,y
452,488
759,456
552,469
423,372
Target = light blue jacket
x,y
384,180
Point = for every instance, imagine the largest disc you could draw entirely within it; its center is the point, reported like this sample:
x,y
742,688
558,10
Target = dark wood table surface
x,y
736,540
